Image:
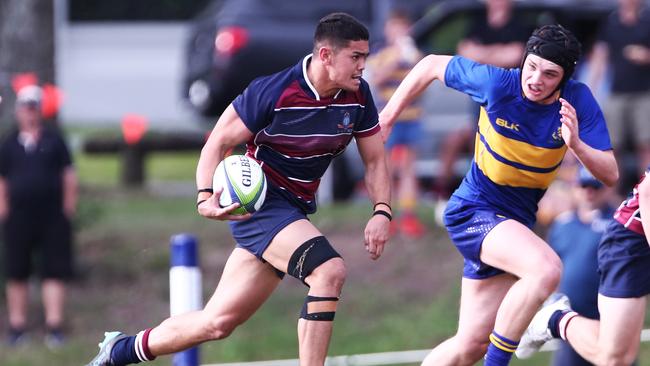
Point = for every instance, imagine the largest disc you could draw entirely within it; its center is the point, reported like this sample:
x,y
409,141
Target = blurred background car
x,y
233,42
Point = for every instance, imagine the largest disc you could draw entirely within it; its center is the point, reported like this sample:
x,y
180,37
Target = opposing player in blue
x,y
623,262
529,118
294,123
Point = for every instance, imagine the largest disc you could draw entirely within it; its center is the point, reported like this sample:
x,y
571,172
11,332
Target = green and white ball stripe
x,y
243,181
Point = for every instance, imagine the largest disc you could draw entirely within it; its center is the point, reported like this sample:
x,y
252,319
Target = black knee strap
x,y
318,316
309,256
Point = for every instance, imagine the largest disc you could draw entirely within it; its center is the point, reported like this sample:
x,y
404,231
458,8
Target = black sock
x,y
554,322
123,352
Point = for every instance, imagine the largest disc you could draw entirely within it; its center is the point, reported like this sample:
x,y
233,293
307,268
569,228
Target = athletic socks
x,y
133,349
123,352
500,350
559,321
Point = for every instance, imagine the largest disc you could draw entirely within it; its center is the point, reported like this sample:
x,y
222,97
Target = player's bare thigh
x,y
246,282
285,243
514,248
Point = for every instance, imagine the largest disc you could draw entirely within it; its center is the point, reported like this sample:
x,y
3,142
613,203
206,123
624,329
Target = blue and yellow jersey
x,y
519,145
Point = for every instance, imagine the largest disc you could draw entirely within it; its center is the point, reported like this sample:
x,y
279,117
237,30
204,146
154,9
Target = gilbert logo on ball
x,y
243,182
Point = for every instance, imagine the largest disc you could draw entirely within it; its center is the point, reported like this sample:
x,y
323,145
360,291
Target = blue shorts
x,y
623,263
468,223
256,233
405,133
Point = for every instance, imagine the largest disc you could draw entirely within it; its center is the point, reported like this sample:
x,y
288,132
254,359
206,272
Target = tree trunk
x,y
26,45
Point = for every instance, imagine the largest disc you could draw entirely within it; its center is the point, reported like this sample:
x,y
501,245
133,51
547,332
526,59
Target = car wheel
x,y
200,96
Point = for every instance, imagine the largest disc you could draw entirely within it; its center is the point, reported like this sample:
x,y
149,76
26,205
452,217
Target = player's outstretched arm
x,y
430,68
644,206
228,132
377,181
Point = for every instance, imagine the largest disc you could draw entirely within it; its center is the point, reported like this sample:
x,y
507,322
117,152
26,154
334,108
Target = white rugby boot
x,y
537,332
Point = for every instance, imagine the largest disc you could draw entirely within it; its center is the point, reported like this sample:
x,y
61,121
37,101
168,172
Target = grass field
x,y
407,300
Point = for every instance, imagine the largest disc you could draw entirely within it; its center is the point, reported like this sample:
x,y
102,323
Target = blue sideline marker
x,y
185,287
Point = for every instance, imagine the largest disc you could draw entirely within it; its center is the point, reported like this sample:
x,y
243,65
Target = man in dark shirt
x,y
38,191
624,45
496,37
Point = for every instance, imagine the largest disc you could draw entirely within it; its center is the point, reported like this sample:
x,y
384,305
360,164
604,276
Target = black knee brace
x,y
322,308
310,255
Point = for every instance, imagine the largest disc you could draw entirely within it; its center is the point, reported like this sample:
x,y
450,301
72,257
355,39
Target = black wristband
x,y
381,203
208,190
200,202
383,213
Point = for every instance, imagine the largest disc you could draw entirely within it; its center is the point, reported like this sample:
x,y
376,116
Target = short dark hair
x,y
557,44
339,29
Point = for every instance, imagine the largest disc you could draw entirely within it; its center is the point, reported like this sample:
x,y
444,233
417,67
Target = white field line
x,y
382,358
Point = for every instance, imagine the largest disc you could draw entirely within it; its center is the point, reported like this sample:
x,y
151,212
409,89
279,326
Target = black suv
x,y
234,41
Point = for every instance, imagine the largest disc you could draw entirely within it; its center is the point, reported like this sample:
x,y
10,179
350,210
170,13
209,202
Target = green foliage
x,y
104,169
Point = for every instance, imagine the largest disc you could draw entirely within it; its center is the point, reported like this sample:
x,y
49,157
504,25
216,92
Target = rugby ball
x,y
243,182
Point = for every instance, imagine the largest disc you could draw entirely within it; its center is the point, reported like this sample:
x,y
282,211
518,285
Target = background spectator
x,y
38,193
387,69
624,48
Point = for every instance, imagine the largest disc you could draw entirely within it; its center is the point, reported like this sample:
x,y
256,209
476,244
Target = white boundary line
x,y
382,358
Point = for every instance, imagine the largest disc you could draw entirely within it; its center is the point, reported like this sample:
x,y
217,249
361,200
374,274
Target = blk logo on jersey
x,y
345,125
509,125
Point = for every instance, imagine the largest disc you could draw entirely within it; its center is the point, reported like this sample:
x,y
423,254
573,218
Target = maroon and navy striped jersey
x,y
629,213
297,133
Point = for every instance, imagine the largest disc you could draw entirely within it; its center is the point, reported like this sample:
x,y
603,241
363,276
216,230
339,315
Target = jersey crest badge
x,y
345,125
557,135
